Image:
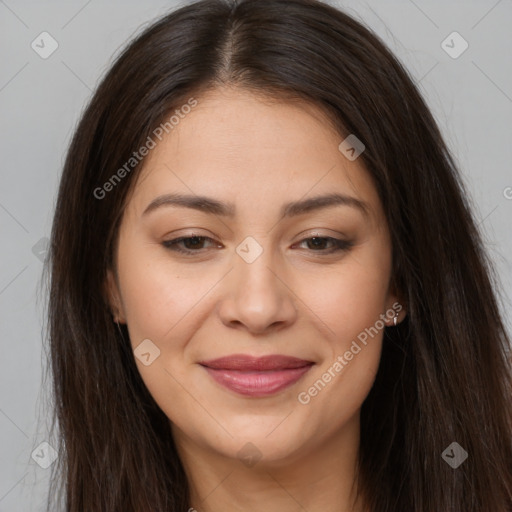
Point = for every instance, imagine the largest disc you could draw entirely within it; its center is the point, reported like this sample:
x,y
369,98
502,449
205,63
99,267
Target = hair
x,y
445,372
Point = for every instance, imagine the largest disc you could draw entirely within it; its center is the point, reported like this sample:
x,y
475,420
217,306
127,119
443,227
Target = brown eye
x,y
326,245
191,244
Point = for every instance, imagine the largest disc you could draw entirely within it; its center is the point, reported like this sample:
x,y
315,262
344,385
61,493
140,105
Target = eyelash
x,y
339,245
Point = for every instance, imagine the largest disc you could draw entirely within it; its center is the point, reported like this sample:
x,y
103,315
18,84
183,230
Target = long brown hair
x,y
444,375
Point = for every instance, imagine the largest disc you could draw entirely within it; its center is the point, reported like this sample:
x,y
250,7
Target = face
x,y
256,315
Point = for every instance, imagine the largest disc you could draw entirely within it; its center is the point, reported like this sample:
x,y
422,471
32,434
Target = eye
x,y
195,243
192,243
318,243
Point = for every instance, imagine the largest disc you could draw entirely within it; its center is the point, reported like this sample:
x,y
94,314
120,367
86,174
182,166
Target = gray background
x,y
41,101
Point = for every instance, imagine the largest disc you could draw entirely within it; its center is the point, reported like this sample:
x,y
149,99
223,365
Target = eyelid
x,y
179,239
339,244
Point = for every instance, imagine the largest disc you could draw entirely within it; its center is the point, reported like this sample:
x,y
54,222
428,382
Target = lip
x,y
256,376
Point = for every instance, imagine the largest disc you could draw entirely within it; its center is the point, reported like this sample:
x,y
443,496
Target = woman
x,y
267,289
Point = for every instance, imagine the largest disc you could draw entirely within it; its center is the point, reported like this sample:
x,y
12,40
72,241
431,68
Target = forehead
x,y
243,148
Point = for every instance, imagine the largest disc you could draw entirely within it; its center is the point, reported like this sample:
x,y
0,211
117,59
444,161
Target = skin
x,y
258,154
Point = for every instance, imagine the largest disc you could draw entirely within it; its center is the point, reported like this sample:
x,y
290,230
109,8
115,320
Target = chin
x,y
270,440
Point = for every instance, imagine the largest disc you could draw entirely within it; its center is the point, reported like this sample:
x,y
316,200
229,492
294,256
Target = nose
x,y
256,297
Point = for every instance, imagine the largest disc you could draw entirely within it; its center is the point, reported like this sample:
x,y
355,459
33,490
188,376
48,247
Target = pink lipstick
x,y
256,376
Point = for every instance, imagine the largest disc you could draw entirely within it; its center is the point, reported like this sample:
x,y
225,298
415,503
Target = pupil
x,y
193,240
316,241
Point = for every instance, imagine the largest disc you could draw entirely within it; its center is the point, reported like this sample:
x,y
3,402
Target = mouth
x,y
256,376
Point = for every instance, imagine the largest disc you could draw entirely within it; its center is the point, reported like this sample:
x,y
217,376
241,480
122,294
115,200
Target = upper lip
x,y
242,362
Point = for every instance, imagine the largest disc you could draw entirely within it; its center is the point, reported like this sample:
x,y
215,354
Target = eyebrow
x,y
213,206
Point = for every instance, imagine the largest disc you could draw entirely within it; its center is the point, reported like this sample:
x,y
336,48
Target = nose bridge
x,y
253,265
256,296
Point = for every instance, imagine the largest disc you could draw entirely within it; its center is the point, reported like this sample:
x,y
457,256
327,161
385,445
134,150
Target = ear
x,y
112,297
395,306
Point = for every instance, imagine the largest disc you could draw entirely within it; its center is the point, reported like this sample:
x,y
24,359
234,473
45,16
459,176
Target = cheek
x,y
167,303
159,306
158,299
350,303
352,298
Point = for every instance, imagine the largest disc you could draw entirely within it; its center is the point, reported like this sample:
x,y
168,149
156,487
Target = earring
x,y
395,319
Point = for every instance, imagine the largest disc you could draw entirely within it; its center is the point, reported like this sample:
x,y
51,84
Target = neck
x,y
317,478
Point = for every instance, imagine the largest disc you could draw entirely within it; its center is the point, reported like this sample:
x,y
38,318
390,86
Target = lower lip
x,y
257,383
